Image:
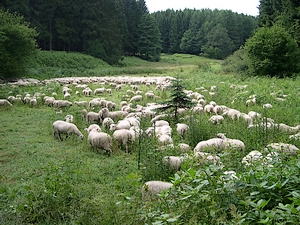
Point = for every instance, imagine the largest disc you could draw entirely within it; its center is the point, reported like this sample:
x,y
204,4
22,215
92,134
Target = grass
x,y
45,181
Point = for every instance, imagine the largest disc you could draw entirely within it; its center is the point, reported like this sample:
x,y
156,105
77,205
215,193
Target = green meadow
x,y
45,181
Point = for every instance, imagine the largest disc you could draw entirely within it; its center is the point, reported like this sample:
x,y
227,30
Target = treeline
x,y
285,13
213,33
109,29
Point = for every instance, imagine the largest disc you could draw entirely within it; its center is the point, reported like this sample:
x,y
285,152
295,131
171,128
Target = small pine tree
x,y
178,99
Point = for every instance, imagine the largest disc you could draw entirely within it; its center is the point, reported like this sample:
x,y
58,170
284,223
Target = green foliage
x,y
178,99
272,52
235,63
149,44
17,44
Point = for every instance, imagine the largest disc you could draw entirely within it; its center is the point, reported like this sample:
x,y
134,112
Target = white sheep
x,y
92,117
67,95
87,91
107,122
252,157
81,103
152,189
123,136
184,147
267,106
136,98
233,144
113,115
160,123
165,139
232,113
99,91
100,140
4,102
182,128
205,157
93,127
61,104
69,118
173,162
217,119
48,100
283,147
63,127
33,102
215,143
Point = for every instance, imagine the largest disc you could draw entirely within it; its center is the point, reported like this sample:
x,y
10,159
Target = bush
x,y
272,52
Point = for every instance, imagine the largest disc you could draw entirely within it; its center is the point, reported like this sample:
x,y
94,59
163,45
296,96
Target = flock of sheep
x,y
120,121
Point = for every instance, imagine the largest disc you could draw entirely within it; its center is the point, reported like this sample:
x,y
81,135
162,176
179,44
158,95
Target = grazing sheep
x,y
67,95
123,136
100,140
165,139
81,103
160,123
107,122
152,189
217,119
267,106
92,117
33,102
136,98
205,157
173,162
113,115
252,157
95,102
122,124
283,147
93,127
99,91
48,101
110,105
184,147
63,127
215,143
87,91
61,104
182,128
4,102
232,113
234,144
163,130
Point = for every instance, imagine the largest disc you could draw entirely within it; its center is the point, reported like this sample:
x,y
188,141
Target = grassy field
x,y
45,181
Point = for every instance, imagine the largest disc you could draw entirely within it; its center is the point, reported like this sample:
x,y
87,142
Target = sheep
x,y
67,95
173,162
208,108
205,157
95,102
232,113
182,128
61,104
48,101
123,136
267,106
234,144
252,156
151,189
69,118
92,117
87,91
63,127
81,103
217,119
136,98
100,140
93,127
163,130
216,143
4,102
165,139
160,123
184,147
110,105
113,115
283,147
107,122
99,91
33,102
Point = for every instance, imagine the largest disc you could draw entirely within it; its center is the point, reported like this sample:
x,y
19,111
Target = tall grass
x,y
45,181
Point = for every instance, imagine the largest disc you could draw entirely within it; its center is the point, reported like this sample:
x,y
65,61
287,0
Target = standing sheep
x,y
63,127
182,129
100,140
123,136
151,189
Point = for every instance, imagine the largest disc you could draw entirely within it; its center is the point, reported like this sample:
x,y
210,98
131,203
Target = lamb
x,y
182,128
100,140
61,104
63,127
152,189
4,102
123,136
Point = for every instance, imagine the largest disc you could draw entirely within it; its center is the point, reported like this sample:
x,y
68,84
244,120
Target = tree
x,y
149,42
178,99
273,52
17,44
